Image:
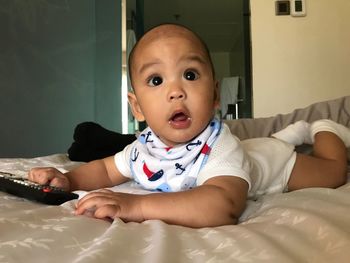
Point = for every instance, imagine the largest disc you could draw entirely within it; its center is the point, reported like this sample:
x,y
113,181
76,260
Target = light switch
x,y
297,8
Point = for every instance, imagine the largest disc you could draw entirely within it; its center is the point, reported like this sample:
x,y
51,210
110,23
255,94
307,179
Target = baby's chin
x,y
172,136
179,137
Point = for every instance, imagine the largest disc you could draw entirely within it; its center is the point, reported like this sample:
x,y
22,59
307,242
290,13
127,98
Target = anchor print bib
x,y
156,166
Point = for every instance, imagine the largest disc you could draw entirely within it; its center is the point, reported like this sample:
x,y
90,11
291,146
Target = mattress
x,y
309,225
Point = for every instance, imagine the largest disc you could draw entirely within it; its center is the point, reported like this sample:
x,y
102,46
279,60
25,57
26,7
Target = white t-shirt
x,y
264,163
226,158
271,164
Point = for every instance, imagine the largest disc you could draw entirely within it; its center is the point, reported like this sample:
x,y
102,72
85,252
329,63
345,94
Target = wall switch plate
x,y
297,8
282,8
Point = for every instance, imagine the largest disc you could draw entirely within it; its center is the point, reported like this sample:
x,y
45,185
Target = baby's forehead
x,y
170,32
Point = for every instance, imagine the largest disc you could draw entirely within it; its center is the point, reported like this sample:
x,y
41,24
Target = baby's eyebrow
x,y
187,58
196,58
148,65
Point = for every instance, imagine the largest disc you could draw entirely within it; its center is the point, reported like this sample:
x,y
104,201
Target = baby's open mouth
x,y
179,116
180,120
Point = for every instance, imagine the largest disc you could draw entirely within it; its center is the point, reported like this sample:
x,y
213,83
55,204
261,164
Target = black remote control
x,y
22,187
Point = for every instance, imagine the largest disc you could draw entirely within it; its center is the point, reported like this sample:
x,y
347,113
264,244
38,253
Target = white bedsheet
x,y
310,225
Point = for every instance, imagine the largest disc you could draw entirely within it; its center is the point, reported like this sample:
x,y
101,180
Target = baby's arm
x,y
219,201
90,176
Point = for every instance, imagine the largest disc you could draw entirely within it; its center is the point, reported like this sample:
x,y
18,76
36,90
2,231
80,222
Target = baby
x,y
202,175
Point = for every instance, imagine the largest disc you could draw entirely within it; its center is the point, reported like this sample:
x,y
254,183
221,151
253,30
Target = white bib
x,y
170,169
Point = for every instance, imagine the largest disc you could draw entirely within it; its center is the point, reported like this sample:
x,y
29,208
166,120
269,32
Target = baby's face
x,y
175,90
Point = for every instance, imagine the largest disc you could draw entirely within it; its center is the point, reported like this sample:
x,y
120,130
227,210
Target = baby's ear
x,y
217,95
135,107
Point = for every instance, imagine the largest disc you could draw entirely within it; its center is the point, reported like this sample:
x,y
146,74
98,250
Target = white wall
x,y
299,60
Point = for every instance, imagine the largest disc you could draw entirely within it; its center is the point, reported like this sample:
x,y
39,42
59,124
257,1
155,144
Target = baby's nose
x,y
177,93
176,96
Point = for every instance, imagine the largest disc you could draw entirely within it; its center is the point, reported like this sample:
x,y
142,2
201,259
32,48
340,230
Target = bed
x,y
309,225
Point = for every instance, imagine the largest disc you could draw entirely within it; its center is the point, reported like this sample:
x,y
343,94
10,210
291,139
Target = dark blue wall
x,y
60,64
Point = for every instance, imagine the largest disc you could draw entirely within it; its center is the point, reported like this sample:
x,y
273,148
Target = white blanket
x,y
310,225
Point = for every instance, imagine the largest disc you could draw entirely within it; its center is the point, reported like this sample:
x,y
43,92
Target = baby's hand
x,y
50,176
108,204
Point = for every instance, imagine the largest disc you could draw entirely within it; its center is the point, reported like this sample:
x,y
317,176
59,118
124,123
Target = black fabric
x,y
92,142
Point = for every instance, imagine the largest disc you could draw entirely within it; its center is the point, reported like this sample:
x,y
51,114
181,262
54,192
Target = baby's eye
x,y
191,75
155,81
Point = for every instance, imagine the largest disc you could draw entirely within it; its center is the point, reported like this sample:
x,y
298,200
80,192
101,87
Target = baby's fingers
x,y
98,205
60,182
90,201
48,175
41,175
107,211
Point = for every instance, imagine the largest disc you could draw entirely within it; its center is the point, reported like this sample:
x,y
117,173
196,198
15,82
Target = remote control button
x,y
47,189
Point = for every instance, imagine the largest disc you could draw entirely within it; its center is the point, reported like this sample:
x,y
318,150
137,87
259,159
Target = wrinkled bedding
x,y
309,225
337,110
